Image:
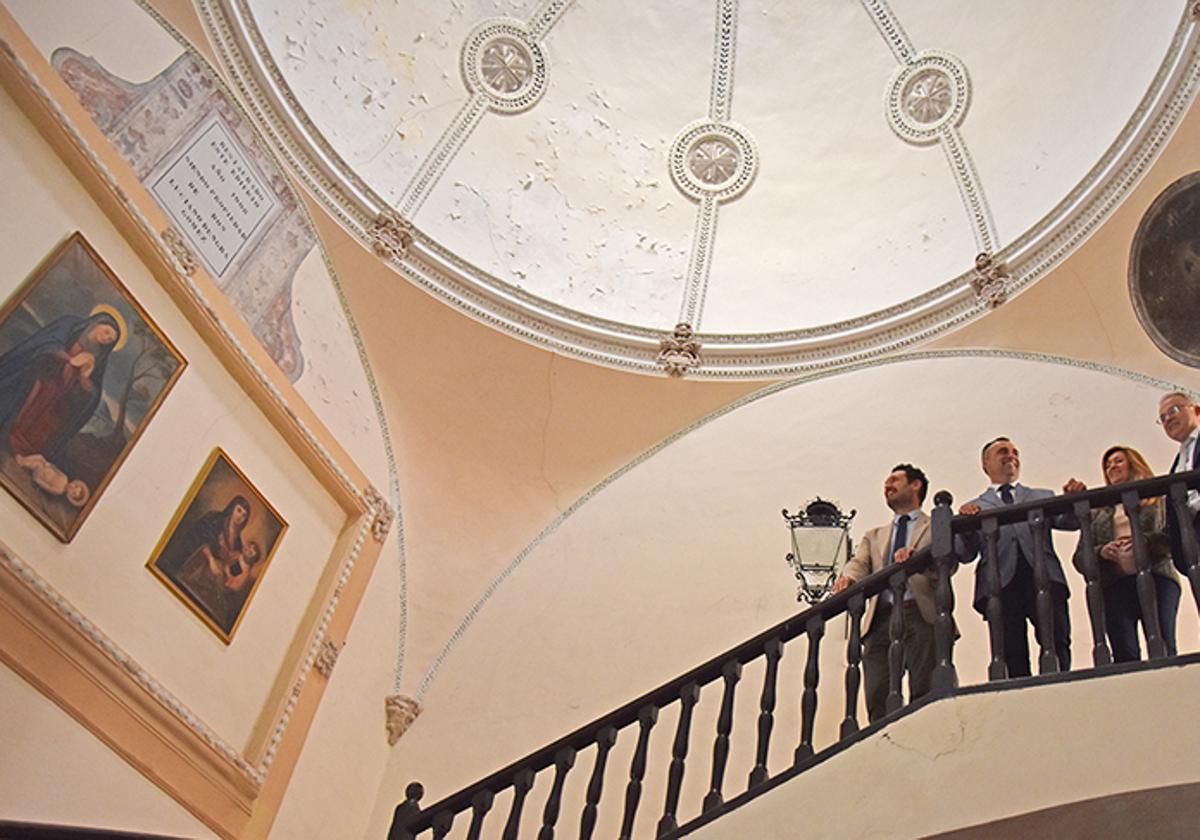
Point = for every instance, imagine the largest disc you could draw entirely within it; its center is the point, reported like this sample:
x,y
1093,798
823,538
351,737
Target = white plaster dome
x,y
802,184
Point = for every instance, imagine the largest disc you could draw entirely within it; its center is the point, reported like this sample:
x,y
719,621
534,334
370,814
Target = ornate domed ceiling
x,y
796,184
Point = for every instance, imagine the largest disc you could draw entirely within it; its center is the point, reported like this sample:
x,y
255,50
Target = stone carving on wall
x,y
149,123
990,281
679,353
327,657
390,235
400,710
384,515
181,251
1164,270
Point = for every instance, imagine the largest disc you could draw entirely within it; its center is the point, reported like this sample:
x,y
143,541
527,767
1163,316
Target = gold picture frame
x,y
83,370
216,550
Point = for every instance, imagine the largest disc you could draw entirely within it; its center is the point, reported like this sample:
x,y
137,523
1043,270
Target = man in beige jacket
x,y
904,492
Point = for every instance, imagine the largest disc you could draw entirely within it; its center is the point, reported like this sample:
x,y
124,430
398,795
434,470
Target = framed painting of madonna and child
x,y
216,550
83,369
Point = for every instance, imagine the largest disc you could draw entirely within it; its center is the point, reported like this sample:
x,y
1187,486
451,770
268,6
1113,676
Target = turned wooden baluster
x,y
898,583
1146,591
854,612
688,697
637,769
481,803
564,760
1187,534
766,715
994,609
1047,658
406,812
521,785
441,824
815,628
605,739
945,677
731,672
1093,591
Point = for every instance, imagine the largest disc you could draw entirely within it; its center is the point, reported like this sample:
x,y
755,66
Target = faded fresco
x,y
217,548
82,371
150,123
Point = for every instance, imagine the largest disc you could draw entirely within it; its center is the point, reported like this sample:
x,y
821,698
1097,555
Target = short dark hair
x,y
988,445
912,474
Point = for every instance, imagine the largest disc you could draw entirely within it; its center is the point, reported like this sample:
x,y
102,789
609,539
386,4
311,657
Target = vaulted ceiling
x,y
797,183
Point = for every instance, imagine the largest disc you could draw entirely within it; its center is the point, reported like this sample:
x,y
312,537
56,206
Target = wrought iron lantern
x,y
820,547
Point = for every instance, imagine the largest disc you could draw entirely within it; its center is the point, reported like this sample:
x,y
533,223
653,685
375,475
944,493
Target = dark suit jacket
x,y
1012,538
1173,521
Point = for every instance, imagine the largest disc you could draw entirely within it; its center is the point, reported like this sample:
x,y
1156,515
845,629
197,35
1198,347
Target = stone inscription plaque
x,y
215,195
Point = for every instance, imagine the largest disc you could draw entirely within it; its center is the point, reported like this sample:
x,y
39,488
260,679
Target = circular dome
x,y
574,174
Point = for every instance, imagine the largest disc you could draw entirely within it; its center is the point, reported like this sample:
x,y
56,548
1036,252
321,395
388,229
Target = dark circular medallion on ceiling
x,y
1164,271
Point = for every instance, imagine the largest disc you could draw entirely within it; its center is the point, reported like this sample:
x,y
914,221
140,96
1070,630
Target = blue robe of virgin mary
x,y
32,359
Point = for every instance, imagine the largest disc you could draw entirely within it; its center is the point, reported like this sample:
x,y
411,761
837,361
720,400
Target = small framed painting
x,y
83,369
216,550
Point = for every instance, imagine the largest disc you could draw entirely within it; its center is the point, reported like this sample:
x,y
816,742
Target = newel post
x,y
406,812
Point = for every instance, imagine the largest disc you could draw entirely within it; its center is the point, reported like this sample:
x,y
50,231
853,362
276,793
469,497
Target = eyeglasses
x,y
1168,414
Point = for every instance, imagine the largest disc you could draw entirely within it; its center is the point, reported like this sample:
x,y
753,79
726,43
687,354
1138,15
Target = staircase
x,y
539,795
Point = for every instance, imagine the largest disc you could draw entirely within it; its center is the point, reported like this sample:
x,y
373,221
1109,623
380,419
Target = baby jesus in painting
x,y
242,568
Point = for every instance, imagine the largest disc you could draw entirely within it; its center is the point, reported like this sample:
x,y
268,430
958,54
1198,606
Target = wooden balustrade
x,y
770,646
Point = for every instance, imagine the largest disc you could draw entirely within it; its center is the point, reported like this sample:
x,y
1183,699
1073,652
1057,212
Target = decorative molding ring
x,y
718,159
432,266
502,62
926,96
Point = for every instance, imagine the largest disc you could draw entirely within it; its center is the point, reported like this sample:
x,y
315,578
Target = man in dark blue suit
x,y
1014,554
1180,419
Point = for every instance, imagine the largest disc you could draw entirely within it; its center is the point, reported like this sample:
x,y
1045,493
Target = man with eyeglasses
x,y
1180,418
1001,462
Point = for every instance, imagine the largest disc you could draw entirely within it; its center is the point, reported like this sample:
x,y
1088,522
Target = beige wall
x,y
53,770
974,759
101,571
494,439
682,556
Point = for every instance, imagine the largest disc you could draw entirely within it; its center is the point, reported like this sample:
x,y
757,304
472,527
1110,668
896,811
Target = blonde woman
x,y
1113,544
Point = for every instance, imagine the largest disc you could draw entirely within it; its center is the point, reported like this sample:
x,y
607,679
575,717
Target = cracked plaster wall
x,y
572,202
